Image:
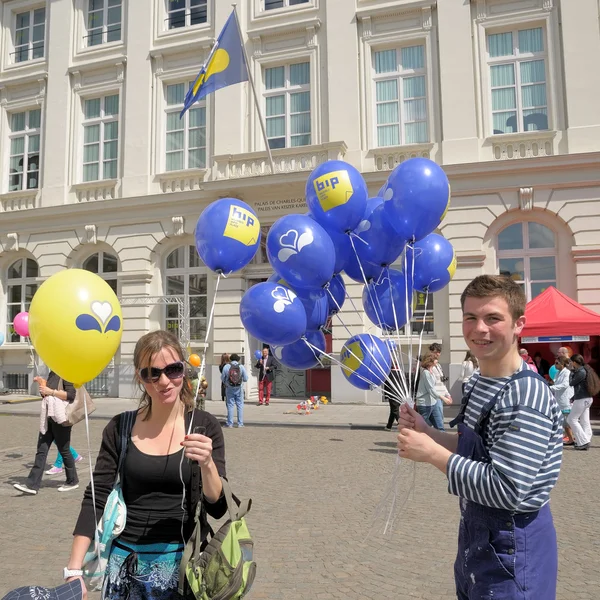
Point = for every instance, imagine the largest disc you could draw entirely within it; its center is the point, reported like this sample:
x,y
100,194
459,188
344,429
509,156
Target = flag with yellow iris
x,y
225,65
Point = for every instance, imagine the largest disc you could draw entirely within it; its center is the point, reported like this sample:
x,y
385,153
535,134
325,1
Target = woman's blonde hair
x,y
148,346
428,361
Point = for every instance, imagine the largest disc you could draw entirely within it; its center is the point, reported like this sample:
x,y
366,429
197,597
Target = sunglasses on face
x,y
152,375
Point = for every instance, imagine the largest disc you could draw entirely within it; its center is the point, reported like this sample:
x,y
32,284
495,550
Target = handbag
x,y
75,411
112,523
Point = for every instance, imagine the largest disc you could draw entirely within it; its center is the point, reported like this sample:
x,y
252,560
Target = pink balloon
x,y
21,324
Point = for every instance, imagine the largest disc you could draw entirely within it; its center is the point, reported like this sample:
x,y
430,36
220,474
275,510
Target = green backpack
x,y
223,569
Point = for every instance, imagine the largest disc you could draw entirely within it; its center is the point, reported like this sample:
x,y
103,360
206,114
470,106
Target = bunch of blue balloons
x,y
344,231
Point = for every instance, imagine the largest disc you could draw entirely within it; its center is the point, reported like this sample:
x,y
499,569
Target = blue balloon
x,y
227,235
257,354
314,302
336,194
434,263
417,198
300,355
301,251
343,249
273,314
553,372
336,294
382,245
353,268
386,301
366,361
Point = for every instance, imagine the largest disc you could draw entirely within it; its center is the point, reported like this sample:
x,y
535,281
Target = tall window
x,y
21,286
287,99
400,96
517,61
185,138
104,264
24,161
527,254
103,21
271,4
184,13
185,276
100,138
29,35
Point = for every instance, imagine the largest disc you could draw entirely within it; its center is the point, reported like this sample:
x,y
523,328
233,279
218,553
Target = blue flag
x,y
225,66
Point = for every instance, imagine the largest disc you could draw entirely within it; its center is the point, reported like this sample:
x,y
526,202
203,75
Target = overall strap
x,y
463,407
125,427
487,409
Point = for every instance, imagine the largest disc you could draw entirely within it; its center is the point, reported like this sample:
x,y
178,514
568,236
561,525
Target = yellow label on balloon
x,y
333,189
452,265
448,204
75,324
352,357
242,226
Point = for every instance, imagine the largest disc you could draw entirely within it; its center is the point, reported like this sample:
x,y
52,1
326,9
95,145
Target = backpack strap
x,y
236,508
125,428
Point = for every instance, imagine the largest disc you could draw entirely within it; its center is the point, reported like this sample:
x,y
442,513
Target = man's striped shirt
x,y
524,439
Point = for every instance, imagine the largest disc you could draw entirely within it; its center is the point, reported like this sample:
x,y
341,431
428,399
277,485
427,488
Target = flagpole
x,y
251,80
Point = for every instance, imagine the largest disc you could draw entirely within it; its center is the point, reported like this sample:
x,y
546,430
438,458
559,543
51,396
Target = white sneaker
x,y
23,488
68,488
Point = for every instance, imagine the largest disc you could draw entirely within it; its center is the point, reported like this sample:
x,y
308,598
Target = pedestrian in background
x,y
579,419
428,400
224,361
563,393
468,367
234,376
391,392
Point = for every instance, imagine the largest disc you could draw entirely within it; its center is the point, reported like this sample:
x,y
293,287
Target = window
x,y
21,286
400,96
185,138
29,35
24,161
271,4
103,22
104,264
527,254
184,13
517,61
186,277
100,138
287,99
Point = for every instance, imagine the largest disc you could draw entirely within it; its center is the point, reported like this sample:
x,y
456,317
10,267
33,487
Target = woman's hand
x,y
198,447
447,400
83,588
46,391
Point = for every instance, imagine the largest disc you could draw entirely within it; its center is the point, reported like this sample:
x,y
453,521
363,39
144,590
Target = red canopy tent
x,y
554,314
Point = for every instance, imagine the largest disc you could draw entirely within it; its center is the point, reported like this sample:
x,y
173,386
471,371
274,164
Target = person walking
x,y
563,391
505,460
391,392
57,465
161,490
266,375
234,376
428,400
579,417
51,430
468,367
224,361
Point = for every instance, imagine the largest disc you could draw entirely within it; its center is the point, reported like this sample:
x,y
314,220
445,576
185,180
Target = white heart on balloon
x,y
102,310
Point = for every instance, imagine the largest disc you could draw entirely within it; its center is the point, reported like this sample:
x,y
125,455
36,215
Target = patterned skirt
x,y
143,572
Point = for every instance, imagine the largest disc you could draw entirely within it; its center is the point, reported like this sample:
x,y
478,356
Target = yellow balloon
x,y
75,324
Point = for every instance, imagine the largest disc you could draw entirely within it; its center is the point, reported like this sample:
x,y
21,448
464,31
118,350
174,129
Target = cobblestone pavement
x,y
315,492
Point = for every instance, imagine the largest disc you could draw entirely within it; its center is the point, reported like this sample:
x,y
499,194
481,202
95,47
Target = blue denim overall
x,y
502,555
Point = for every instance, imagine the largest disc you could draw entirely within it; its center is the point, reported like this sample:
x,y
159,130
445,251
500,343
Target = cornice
x,y
394,8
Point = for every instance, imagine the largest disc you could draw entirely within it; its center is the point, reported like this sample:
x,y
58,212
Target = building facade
x,y
100,172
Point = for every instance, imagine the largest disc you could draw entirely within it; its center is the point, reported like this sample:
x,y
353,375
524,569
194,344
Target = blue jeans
x,y
235,397
433,415
58,463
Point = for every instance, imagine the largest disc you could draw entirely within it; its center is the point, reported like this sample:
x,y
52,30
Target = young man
x,y
505,459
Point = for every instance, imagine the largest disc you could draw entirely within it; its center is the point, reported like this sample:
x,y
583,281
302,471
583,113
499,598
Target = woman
x,y
469,366
224,361
579,418
157,481
428,400
55,394
564,392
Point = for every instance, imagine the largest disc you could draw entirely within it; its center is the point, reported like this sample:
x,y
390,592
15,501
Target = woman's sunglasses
x,y
152,375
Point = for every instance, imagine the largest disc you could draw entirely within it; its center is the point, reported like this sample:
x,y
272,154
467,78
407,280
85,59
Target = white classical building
x,y
100,173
